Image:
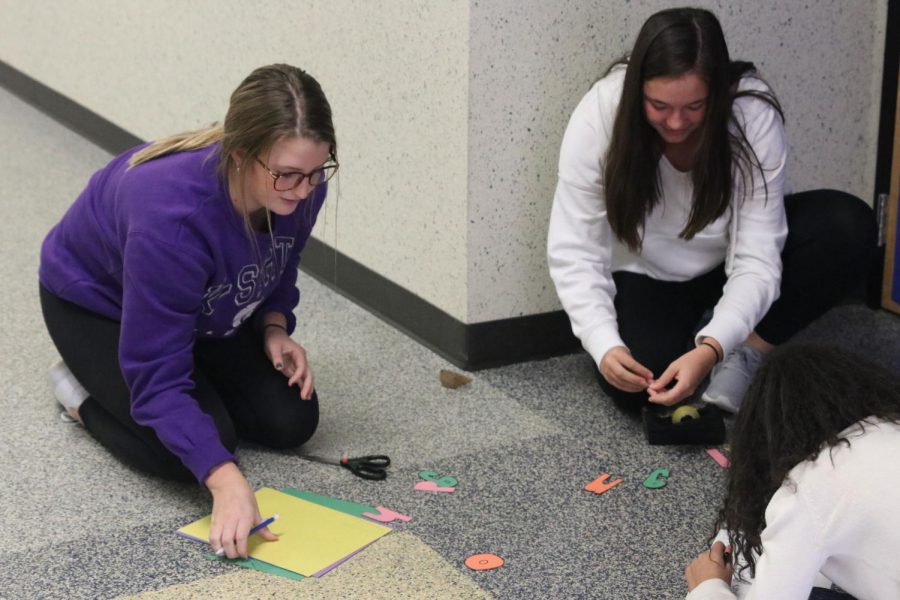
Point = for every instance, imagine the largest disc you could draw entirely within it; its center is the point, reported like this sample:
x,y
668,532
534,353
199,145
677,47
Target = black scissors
x,y
372,467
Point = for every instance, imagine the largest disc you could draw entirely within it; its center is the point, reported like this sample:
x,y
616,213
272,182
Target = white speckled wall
x,y
395,73
530,65
450,112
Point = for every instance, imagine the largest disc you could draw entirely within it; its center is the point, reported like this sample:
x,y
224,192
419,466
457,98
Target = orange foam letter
x,y
599,485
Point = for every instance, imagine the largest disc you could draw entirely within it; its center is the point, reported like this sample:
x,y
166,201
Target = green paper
x,y
344,506
256,565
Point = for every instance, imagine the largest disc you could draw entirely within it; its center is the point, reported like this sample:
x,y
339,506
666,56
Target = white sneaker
x,y
731,378
66,389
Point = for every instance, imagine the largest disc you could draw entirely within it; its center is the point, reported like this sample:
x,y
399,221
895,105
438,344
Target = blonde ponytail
x,y
180,142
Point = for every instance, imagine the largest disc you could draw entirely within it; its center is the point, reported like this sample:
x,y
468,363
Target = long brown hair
x,y
672,43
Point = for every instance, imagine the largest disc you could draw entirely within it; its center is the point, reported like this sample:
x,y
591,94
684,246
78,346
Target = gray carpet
x,y
523,441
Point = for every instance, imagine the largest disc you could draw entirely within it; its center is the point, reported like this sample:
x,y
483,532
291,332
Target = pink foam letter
x,y
430,486
720,458
386,515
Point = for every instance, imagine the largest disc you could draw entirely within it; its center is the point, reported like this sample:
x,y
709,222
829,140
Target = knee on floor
x,y
293,428
851,222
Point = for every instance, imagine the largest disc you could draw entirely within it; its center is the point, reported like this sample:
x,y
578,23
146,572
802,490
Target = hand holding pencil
x,y
234,512
266,523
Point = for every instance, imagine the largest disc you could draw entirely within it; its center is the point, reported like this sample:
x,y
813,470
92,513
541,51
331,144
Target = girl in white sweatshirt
x,y
671,205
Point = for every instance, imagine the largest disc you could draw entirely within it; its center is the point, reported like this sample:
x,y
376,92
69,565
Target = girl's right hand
x,y
683,376
234,511
713,564
622,371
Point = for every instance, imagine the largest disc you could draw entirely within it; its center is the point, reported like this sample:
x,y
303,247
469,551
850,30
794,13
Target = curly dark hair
x,y
801,400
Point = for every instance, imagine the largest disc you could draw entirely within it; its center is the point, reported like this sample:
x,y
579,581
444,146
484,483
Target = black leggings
x,y
234,383
829,248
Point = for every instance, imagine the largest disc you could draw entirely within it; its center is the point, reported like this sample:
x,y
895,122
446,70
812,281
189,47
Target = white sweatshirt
x,y
838,515
582,252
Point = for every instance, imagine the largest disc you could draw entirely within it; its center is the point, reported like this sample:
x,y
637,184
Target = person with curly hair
x,y
812,493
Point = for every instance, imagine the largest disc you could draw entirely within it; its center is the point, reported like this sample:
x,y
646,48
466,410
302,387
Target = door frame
x,y
887,170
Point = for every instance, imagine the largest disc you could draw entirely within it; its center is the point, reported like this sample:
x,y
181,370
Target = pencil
x,y
266,523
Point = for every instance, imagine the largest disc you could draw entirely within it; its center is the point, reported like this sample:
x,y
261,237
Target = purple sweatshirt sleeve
x,y
156,348
286,296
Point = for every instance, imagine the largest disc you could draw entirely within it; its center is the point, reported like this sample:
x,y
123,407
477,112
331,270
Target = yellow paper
x,y
310,537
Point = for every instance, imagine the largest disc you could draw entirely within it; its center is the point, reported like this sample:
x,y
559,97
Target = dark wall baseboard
x,y
468,346
79,119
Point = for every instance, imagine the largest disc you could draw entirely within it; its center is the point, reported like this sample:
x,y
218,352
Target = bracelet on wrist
x,y
278,325
713,348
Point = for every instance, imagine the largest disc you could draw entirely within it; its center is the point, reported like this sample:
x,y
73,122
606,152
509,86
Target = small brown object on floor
x,y
452,380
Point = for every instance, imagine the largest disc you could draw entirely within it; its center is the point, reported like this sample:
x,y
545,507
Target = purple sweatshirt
x,y
161,248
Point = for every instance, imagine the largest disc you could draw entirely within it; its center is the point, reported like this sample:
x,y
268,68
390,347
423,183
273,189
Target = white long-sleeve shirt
x,y
838,515
583,253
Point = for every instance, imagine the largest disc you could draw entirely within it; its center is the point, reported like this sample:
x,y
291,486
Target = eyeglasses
x,y
283,182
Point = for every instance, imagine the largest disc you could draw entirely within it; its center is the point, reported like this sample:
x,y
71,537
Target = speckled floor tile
x,y
397,566
388,399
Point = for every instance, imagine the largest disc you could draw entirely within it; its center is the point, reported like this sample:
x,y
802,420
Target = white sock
x,y
66,388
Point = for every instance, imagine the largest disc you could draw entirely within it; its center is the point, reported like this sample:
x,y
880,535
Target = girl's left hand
x,y
708,565
289,357
687,371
